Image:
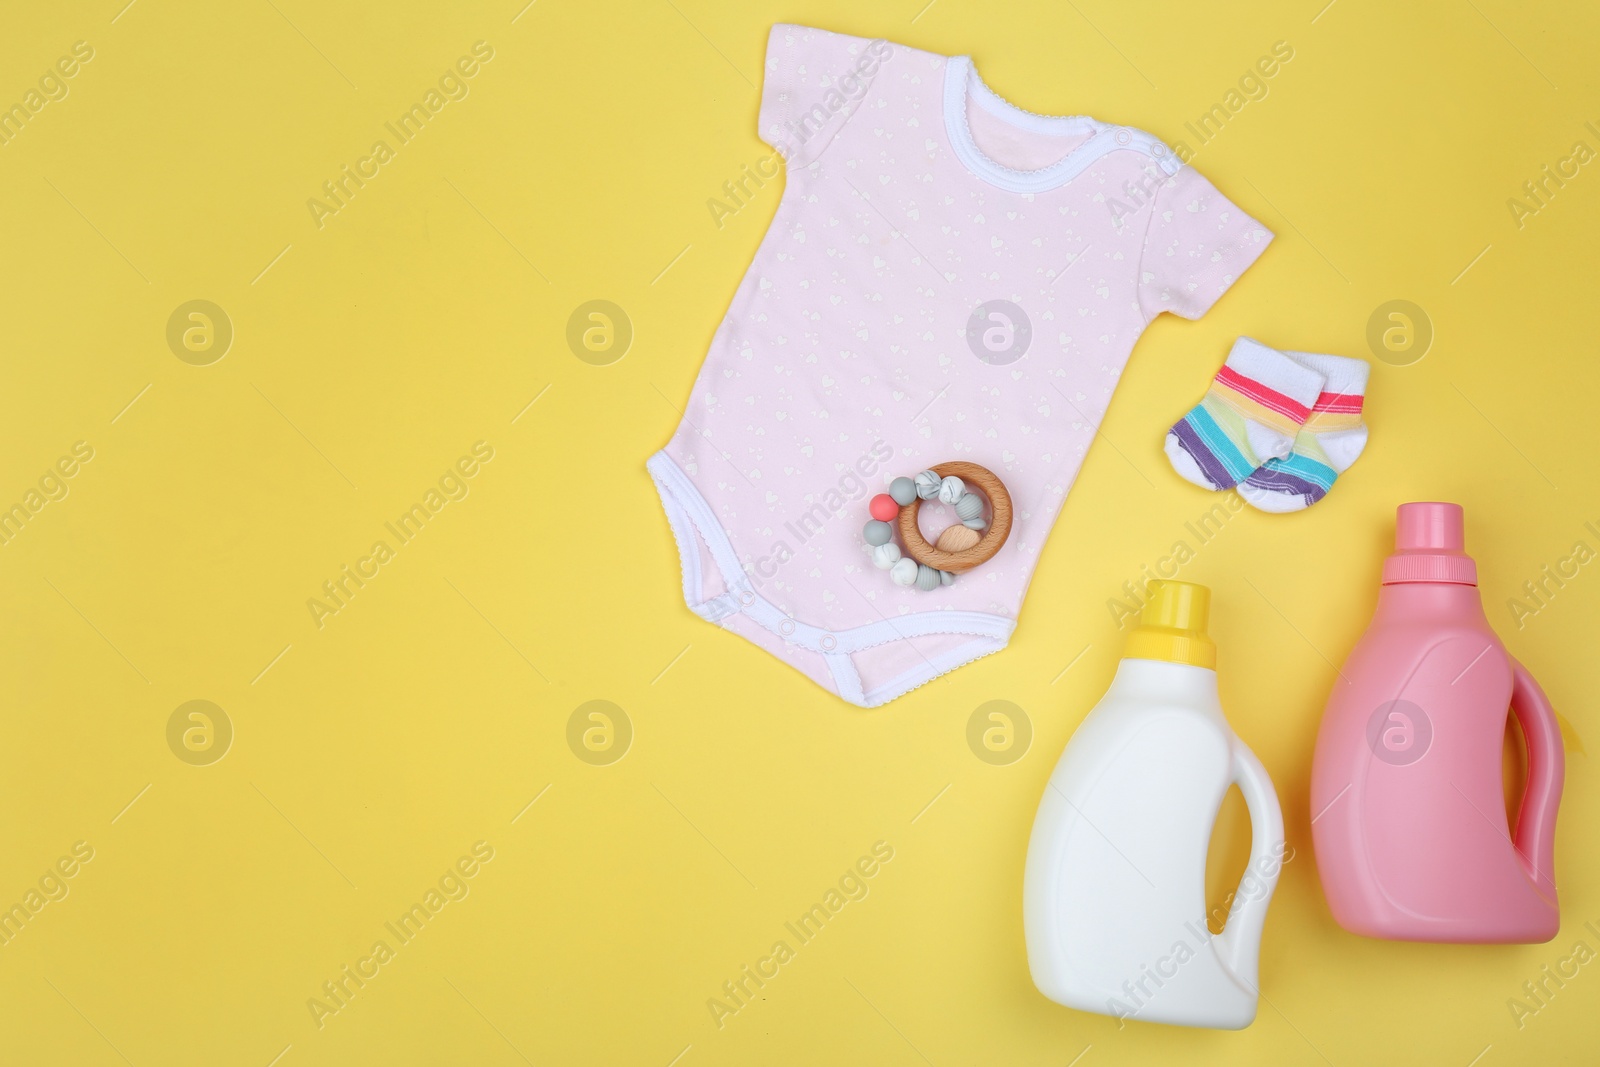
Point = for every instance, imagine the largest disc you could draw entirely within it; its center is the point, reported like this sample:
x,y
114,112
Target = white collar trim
x,y
962,83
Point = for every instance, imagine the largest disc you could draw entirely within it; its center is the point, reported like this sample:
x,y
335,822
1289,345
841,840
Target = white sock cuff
x,y
1276,371
1345,376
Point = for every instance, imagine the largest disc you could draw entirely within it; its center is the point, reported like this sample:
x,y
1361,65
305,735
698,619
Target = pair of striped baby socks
x,y
1281,426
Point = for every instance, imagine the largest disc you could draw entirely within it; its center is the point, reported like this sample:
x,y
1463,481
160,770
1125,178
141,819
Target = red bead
x,y
883,507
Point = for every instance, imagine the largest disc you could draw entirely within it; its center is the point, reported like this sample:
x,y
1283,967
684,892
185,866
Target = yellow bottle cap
x,y
1172,626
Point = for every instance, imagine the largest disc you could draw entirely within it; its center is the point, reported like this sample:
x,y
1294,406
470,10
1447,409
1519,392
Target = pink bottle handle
x,y
1547,771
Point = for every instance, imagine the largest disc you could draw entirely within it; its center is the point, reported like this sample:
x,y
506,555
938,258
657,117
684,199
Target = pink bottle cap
x,y
1429,539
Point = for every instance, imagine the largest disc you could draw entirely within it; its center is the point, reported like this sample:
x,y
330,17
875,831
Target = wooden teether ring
x,y
973,476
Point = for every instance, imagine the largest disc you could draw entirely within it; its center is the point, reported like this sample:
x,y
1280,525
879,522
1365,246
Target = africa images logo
x,y
453,84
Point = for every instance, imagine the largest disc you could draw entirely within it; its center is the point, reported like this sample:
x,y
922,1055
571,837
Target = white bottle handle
x,y
1239,944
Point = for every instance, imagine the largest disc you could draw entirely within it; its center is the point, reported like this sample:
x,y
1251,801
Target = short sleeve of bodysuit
x,y
1197,244
815,80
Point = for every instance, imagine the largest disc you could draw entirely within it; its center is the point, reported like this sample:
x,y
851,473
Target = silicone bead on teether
x,y
904,491
886,555
950,490
877,533
974,524
883,507
927,578
927,485
946,578
904,572
970,506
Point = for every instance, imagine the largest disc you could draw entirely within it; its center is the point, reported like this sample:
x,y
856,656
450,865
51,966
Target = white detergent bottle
x,y
1114,893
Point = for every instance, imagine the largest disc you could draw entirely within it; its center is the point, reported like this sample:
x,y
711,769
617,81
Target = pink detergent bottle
x,y
1407,804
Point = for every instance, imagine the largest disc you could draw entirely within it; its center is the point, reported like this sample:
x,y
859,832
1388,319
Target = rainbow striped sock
x,y
1251,414
1329,442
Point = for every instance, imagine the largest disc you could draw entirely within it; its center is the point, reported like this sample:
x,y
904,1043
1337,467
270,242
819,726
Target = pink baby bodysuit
x,y
947,277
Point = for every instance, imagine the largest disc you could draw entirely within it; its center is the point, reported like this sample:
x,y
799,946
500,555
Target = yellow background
x,y
425,716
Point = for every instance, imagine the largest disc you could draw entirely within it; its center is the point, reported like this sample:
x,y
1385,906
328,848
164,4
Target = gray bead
x,y
877,533
969,506
946,578
974,523
927,484
904,491
927,578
